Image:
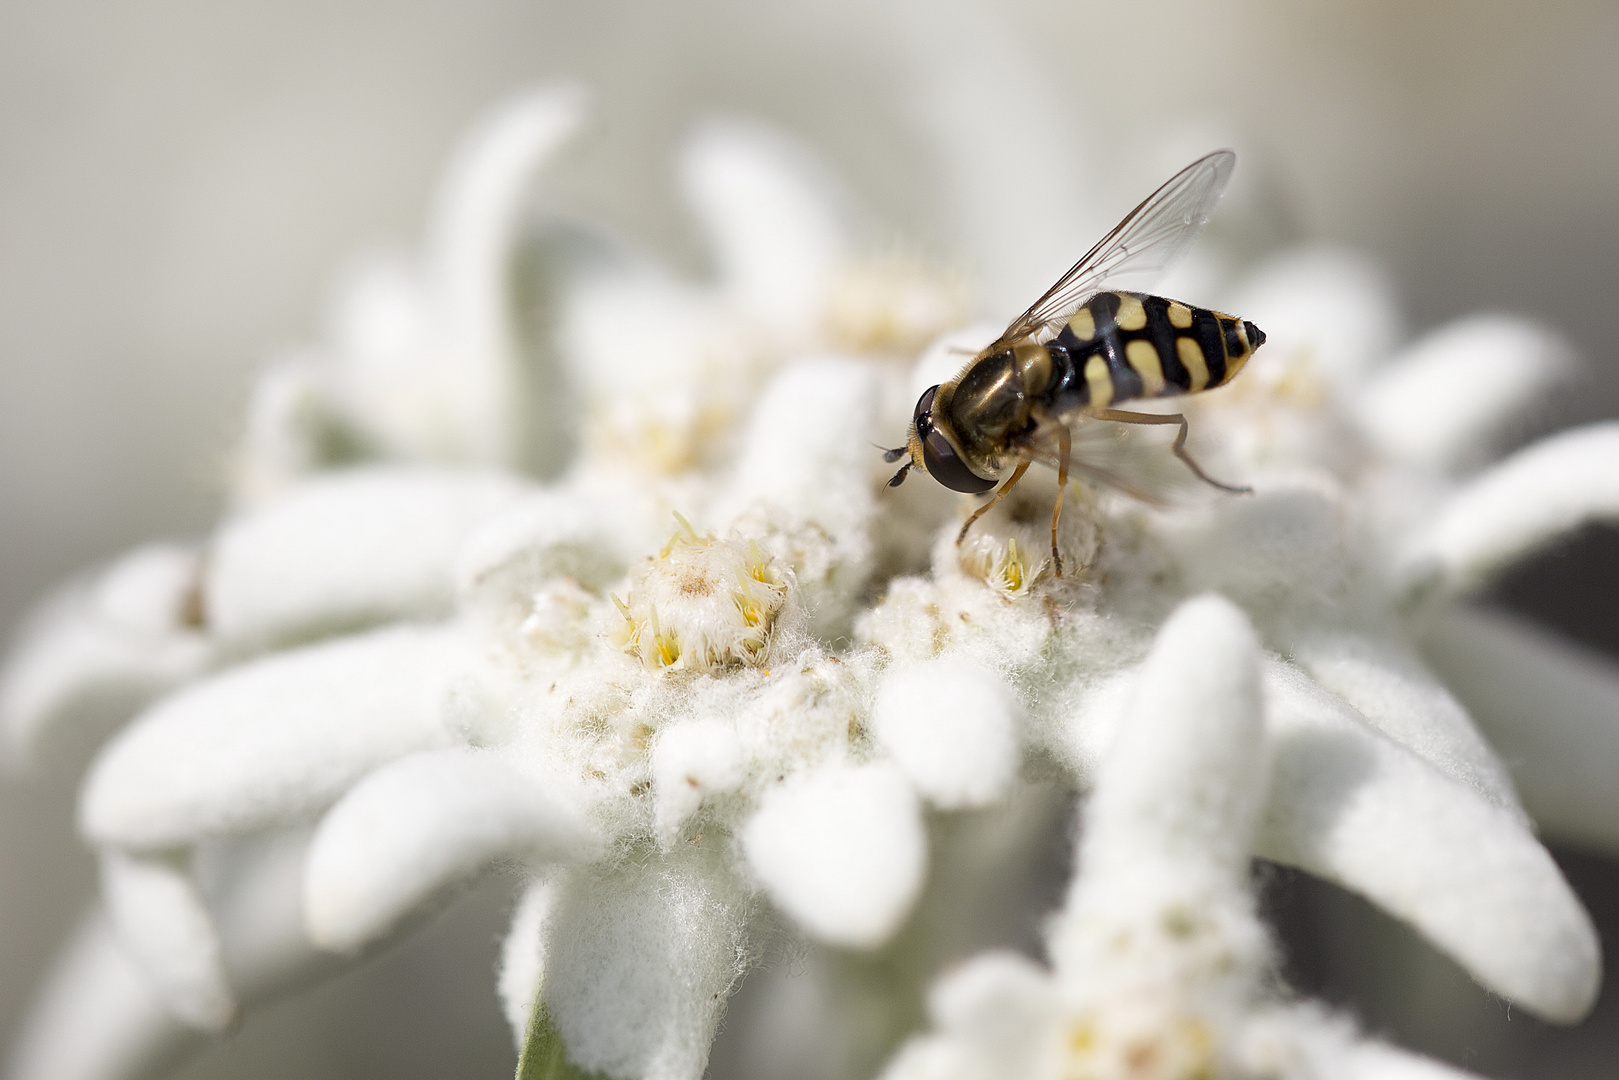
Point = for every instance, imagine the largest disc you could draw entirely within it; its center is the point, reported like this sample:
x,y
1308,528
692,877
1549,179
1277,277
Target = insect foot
x,y
1009,548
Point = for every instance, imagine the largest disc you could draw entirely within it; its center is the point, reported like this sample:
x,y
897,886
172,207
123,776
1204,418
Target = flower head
x,y
408,659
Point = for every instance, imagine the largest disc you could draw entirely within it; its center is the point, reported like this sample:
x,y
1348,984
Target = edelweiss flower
x,y
713,671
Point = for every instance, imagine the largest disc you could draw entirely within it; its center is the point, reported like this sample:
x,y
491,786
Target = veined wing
x,y
1152,238
1129,458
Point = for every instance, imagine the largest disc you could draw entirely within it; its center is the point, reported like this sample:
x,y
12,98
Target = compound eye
x,y
946,466
923,417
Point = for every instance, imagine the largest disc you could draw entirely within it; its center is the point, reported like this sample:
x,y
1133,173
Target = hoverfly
x,y
1079,351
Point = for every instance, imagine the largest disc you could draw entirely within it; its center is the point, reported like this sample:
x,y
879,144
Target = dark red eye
x,y
939,456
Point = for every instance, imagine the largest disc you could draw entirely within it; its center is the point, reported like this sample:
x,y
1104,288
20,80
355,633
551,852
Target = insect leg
x,y
1065,444
1179,447
1017,474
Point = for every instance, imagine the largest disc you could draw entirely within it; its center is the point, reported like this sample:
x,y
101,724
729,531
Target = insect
x,y
1079,352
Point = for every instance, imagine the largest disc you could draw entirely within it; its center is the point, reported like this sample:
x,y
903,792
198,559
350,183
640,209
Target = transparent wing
x,y
1129,458
1152,238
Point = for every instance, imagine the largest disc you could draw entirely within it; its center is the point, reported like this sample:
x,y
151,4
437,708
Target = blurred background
x,y
180,181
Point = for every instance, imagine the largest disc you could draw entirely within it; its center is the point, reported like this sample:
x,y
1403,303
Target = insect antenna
x,y
893,455
899,477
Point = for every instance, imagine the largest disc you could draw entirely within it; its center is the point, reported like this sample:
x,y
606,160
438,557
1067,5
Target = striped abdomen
x,y
1121,346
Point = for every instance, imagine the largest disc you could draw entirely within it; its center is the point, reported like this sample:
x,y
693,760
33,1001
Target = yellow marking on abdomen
x,y
1083,324
1099,381
1180,316
1191,356
1131,315
1144,358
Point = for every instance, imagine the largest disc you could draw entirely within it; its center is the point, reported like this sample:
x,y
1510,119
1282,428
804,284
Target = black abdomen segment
x,y
1125,346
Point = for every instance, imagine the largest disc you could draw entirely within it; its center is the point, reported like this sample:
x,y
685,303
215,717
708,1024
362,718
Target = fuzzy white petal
x,y
993,1013
690,762
253,887
819,470
159,915
930,1057
1169,826
417,826
346,550
472,250
272,739
1183,780
1390,688
1329,305
806,489
950,725
100,649
770,216
1352,807
998,1001
1301,1040
1283,547
522,956
1444,401
539,538
1380,1061
98,1017
1526,502
695,371
294,426
1551,708
639,960
841,850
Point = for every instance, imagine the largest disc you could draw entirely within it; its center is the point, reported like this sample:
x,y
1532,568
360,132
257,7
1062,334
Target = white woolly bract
x,y
1549,707
1446,399
1352,807
1304,1041
699,759
639,959
994,1015
1183,781
1158,945
477,383
539,539
98,1017
768,213
1389,687
424,359
522,956
1333,305
841,850
952,728
345,551
802,484
1518,506
99,649
154,905
419,825
272,739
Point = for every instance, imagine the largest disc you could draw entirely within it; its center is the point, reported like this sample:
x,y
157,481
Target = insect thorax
x,y
990,404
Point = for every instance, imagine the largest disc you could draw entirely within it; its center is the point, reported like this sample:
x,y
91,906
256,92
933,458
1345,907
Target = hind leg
x,y
1179,447
1065,447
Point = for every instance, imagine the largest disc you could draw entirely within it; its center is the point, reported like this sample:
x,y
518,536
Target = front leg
x,y
1017,475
